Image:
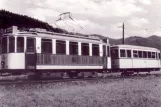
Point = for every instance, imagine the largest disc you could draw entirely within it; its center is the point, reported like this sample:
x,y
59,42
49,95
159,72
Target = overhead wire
x,y
147,30
68,15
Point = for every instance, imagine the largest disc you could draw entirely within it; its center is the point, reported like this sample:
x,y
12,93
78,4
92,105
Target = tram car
x,y
41,51
129,58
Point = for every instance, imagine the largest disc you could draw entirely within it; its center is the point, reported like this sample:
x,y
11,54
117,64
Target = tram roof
x,y
43,33
135,47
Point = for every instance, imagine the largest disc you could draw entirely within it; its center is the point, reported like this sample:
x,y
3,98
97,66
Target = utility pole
x,y
123,28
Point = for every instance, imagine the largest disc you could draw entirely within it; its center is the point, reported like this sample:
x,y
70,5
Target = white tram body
x,y
134,58
41,50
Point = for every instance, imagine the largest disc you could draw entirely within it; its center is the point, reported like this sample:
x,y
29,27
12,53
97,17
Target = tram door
x,y
30,53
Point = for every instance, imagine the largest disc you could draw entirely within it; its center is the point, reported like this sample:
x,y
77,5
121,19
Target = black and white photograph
x,y
80,53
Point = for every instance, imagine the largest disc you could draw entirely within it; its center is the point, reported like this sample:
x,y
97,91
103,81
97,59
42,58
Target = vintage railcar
x,y
40,51
134,58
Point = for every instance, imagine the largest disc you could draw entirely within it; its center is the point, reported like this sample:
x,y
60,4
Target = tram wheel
x,y
81,75
72,74
62,74
124,73
37,76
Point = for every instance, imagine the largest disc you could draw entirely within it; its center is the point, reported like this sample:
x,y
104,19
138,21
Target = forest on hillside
x,y
8,19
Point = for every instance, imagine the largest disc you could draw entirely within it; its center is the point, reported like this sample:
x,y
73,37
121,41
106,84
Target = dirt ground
x,y
144,91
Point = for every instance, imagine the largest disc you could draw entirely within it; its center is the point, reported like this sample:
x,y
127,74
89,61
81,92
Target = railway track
x,y
4,82
44,81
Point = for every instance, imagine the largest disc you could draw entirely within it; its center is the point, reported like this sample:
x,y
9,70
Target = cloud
x,y
138,22
2,4
138,32
116,27
96,16
91,8
121,9
146,2
77,25
89,27
83,8
156,33
42,14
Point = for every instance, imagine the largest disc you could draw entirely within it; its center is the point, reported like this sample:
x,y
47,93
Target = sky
x,y
104,17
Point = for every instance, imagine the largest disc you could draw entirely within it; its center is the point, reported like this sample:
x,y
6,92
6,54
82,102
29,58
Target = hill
x,y
8,19
152,41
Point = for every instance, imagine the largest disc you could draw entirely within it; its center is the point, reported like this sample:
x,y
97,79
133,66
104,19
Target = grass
x,y
118,92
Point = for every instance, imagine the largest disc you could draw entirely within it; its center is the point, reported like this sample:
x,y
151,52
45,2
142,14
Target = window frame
x,y
49,43
108,51
17,47
145,54
4,49
63,43
135,52
140,54
73,48
159,55
83,45
149,54
0,45
94,53
153,55
120,53
116,54
156,55
127,55
12,45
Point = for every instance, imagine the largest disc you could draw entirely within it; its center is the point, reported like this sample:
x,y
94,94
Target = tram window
x,y
128,53
73,47
20,44
156,55
159,55
0,45
30,46
0,42
4,45
85,48
153,55
149,55
60,47
144,54
114,53
108,51
46,45
135,54
11,44
122,53
140,54
0,49
104,50
95,50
